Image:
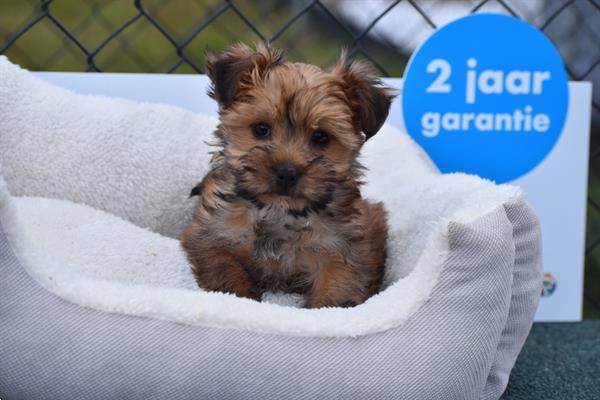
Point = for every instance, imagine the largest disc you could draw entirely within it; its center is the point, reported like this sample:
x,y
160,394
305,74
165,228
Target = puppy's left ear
x,y
369,98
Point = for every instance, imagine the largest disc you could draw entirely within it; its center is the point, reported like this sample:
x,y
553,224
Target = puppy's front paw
x,y
327,300
227,278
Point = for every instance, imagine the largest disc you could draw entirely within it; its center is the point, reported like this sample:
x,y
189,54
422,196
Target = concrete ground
x,y
558,361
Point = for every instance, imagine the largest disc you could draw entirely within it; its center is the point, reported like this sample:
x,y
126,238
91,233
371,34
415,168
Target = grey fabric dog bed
x,y
89,201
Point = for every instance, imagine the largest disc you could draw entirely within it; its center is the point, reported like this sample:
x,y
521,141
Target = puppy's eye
x,y
262,130
319,138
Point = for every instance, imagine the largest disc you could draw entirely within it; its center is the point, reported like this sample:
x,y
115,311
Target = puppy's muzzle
x,y
286,179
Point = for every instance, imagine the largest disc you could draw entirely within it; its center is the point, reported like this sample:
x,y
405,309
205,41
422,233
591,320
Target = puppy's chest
x,y
281,242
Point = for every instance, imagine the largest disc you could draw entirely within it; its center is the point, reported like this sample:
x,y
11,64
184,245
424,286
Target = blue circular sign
x,y
486,94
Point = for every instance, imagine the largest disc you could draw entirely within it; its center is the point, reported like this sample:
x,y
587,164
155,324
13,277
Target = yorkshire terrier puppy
x,y
281,207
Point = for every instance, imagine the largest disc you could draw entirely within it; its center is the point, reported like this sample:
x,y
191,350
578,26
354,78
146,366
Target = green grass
x,y
141,47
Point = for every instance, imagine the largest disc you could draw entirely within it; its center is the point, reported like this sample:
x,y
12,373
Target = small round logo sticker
x,y
549,285
486,94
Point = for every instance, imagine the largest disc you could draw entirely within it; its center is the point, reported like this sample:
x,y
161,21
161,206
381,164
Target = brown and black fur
x,y
316,236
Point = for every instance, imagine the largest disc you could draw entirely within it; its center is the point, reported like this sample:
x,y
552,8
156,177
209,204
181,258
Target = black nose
x,y
286,178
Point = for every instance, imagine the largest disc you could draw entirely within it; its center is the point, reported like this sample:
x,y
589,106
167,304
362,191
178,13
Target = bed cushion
x,y
93,191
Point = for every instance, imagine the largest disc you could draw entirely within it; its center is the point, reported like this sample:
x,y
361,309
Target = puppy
x,y
281,208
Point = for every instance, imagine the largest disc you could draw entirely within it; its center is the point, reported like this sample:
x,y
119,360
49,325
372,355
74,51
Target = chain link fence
x,y
171,36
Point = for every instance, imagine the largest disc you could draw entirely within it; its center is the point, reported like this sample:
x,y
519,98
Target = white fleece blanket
x,y
133,165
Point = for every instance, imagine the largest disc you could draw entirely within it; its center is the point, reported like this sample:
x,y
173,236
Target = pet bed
x,y
97,300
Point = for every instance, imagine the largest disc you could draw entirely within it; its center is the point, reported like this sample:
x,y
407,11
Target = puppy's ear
x,y
238,68
369,98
